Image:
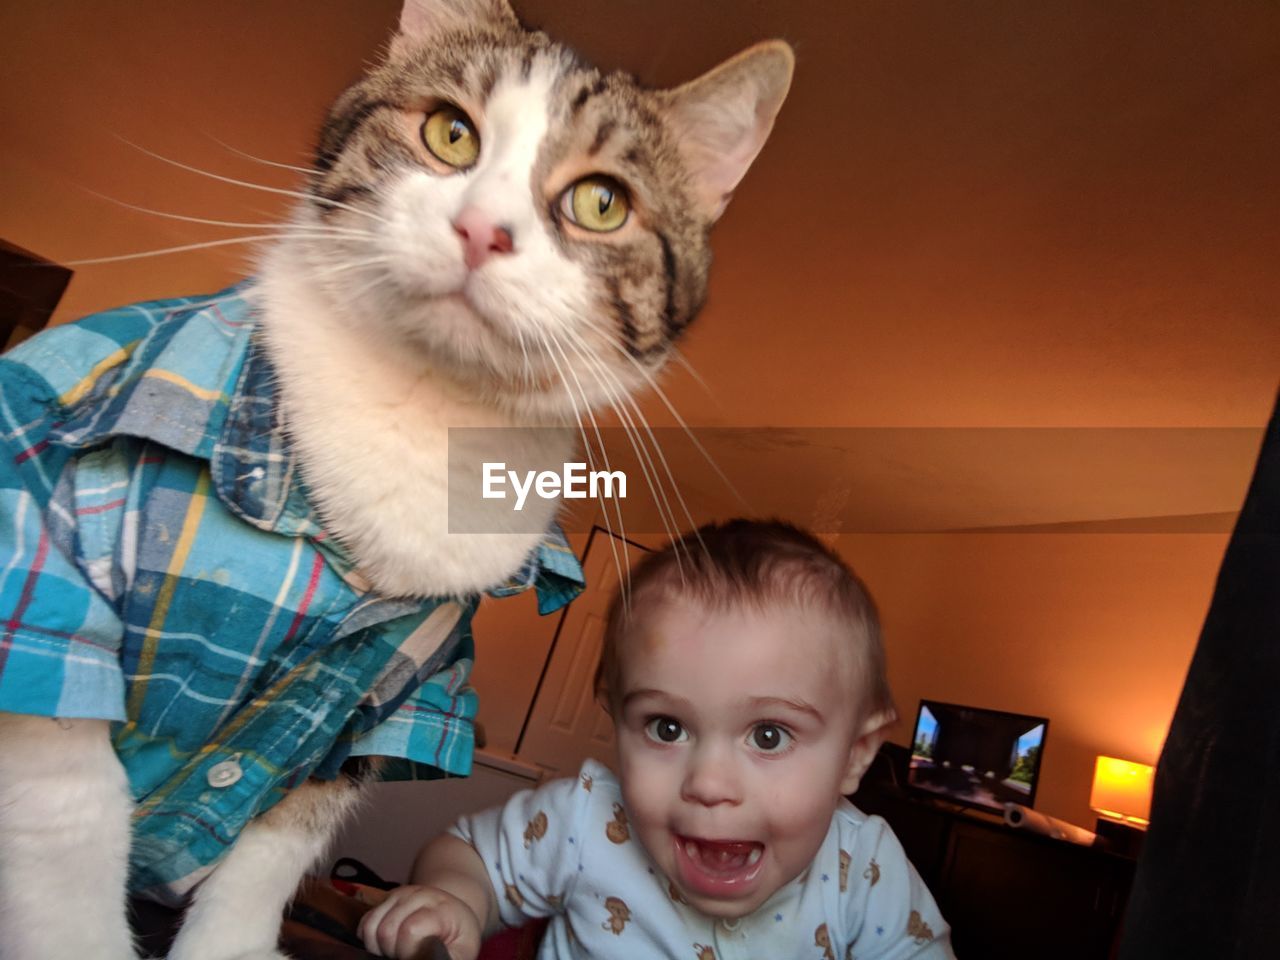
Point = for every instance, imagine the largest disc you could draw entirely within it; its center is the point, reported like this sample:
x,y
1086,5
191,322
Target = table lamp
x,y
1121,797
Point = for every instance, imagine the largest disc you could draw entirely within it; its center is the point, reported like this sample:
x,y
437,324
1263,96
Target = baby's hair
x,y
757,564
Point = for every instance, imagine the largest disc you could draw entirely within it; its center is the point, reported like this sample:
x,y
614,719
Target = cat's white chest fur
x,y
370,423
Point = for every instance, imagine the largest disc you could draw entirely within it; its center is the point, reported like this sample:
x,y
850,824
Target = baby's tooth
x,y
691,849
753,857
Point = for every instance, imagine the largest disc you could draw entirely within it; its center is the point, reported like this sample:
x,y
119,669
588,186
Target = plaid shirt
x,y
162,567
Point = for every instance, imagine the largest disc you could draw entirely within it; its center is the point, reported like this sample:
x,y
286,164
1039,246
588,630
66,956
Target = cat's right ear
x,y
722,119
422,19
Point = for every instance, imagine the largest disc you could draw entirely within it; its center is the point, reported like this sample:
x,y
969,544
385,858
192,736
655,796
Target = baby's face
x,y
735,731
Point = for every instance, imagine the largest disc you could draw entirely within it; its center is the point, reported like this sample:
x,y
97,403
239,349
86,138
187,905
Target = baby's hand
x,y
398,926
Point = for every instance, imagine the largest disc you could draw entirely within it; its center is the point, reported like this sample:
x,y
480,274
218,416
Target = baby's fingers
x,y
367,930
403,925
380,927
422,936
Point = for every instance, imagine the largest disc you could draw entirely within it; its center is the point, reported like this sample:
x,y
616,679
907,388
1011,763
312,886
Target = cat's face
x,y
532,227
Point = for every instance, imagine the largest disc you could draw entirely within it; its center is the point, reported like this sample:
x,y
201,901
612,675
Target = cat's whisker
x,y
675,484
604,512
188,247
526,369
666,401
309,171
639,415
629,400
183,217
653,478
621,396
277,225
608,382
334,269
321,231
590,366
555,342
609,339
184,248
337,264
647,468
676,355
357,294
298,194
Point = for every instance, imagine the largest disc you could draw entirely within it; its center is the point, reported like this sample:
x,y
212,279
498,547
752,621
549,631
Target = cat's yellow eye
x,y
451,137
597,203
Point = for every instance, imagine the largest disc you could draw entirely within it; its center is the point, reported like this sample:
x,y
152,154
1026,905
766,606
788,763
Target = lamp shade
x,y
1122,790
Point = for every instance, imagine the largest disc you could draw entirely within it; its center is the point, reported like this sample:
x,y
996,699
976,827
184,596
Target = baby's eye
x,y
769,737
665,730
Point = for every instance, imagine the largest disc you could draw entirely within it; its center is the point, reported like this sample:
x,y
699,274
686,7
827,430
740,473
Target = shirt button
x,y
224,774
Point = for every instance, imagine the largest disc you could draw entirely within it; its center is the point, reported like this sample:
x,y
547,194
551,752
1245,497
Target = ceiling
x,y
1001,266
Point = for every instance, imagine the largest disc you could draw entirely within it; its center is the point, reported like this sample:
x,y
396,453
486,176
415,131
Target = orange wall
x,y
191,82
1093,631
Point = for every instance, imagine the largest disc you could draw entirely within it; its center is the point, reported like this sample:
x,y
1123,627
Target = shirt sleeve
x,y
531,848
889,912
59,638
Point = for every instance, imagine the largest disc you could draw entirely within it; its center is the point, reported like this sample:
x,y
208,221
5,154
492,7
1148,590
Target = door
x,y
565,724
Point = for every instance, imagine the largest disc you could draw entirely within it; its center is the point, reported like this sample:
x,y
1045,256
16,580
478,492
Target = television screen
x,y
980,758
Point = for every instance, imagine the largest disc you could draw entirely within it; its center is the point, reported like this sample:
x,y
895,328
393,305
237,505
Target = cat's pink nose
x,y
481,237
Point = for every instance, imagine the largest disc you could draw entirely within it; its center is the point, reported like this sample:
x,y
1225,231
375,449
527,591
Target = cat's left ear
x,y
722,119
423,19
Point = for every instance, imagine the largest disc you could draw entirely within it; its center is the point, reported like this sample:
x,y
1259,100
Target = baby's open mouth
x,y
718,867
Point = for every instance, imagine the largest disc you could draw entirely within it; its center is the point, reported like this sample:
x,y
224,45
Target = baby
x,y
745,677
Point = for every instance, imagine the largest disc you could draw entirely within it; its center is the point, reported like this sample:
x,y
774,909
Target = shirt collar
x,y
255,471
172,386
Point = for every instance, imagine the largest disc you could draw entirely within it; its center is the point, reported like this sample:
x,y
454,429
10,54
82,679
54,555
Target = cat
x,y
495,234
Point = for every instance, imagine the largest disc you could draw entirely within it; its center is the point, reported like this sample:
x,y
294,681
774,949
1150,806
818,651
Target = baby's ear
x,y
873,733
722,119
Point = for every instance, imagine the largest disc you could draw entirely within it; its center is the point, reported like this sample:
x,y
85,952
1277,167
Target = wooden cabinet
x,y
1008,893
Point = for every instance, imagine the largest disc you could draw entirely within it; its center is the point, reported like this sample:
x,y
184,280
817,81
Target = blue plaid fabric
x,y
161,567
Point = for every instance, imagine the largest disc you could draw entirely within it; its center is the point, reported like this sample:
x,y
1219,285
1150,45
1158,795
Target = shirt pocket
x,y
101,483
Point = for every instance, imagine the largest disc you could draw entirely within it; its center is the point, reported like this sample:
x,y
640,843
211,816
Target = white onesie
x,y
565,851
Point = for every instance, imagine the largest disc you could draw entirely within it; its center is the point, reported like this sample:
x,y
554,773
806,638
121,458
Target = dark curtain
x,y
1208,882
